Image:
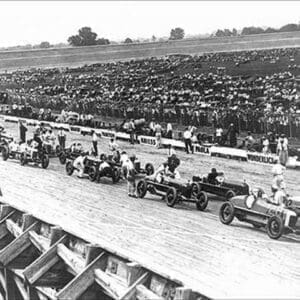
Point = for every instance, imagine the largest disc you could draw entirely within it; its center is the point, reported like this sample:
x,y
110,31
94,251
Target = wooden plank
x,y
40,266
5,210
74,261
10,286
27,221
92,251
40,242
183,293
3,229
142,293
13,228
83,280
48,292
134,271
129,293
56,234
16,247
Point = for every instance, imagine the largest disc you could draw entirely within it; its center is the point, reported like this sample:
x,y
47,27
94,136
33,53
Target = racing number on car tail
x,y
271,212
287,202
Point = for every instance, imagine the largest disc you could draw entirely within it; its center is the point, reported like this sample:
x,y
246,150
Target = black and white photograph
x,y
149,150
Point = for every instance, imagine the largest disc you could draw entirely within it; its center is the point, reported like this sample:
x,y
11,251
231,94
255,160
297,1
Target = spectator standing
x,y
131,129
187,135
61,135
219,134
95,142
232,133
157,130
169,131
23,130
282,149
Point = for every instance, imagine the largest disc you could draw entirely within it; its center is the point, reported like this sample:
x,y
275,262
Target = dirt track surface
x,y
192,247
77,56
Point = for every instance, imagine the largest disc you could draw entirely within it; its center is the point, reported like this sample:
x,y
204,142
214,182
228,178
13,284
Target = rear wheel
x,y
195,190
226,213
69,168
149,169
141,188
62,158
92,173
45,161
23,159
5,153
230,194
171,196
275,227
202,201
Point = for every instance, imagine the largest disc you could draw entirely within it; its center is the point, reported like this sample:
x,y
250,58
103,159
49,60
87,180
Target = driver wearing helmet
x,y
212,176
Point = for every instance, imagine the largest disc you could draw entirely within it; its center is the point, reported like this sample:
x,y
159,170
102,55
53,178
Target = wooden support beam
x,y
48,292
3,229
5,210
40,242
92,251
142,293
40,266
13,228
105,281
83,280
27,221
183,293
56,234
10,286
21,288
129,293
32,293
74,261
134,271
16,247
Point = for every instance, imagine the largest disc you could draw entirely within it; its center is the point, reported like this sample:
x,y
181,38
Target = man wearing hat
x,y
61,137
23,130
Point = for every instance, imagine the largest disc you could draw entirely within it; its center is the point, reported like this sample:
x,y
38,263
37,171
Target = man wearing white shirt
x,y
187,135
95,142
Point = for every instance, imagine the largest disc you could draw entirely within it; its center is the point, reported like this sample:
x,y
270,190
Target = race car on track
x,y
261,212
41,158
6,150
92,169
69,153
221,187
173,191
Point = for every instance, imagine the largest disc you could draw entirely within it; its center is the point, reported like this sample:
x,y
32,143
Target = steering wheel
x,y
220,178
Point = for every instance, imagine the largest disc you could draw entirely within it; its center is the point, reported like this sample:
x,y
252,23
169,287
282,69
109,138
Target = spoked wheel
x,y
230,194
202,201
195,189
62,158
45,161
92,173
69,168
275,227
5,153
149,169
171,197
226,213
116,175
141,188
23,159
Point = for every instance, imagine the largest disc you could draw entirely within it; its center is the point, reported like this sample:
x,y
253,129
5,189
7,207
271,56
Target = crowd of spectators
x,y
173,89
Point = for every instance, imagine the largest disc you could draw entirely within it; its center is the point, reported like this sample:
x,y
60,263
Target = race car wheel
x,y
62,158
116,175
275,227
195,190
69,168
171,197
141,188
202,201
92,173
45,161
230,194
23,159
149,169
5,153
58,150
226,213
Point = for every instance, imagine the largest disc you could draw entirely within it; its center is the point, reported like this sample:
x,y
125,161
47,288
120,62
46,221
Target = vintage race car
x,y
7,151
68,153
41,158
147,170
221,187
91,169
173,191
261,212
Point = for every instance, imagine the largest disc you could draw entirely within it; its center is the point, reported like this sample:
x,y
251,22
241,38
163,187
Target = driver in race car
x,y
13,146
104,167
212,176
78,164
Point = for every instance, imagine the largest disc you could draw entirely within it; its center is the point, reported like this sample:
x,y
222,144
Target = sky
x,y
31,22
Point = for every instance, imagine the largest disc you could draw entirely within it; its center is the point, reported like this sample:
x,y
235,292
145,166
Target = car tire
x,y
226,213
195,190
149,168
69,168
45,161
202,201
62,158
5,153
230,194
275,227
92,173
141,188
171,196
23,159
